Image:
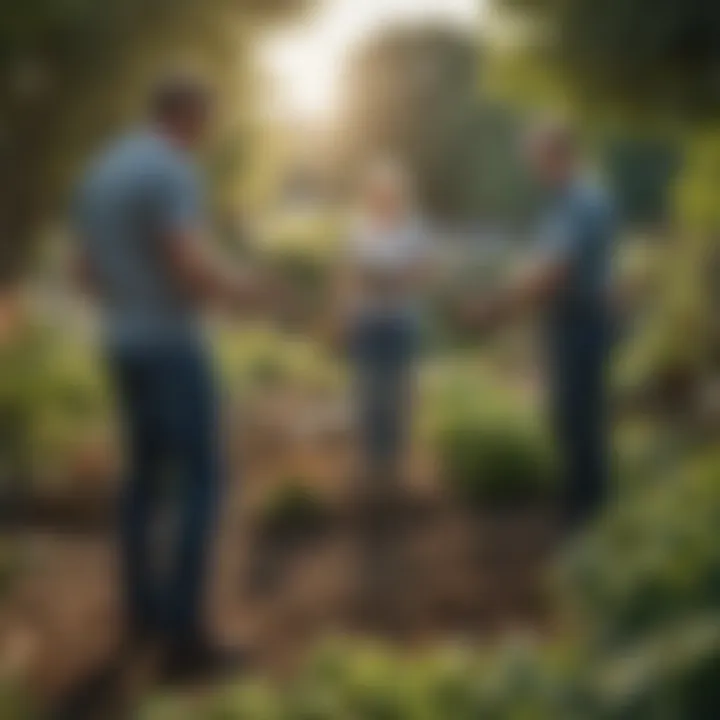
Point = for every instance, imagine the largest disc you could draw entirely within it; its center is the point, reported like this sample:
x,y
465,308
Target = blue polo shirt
x,y
132,201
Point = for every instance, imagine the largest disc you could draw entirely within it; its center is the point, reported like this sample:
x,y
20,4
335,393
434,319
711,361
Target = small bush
x,y
52,392
267,371
495,461
654,560
261,358
293,507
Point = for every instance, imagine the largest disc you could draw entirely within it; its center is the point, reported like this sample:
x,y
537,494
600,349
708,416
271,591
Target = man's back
x,y
131,200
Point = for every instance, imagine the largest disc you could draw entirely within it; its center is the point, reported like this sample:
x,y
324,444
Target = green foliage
x,y
642,171
679,341
413,93
86,64
51,392
644,642
293,506
654,562
16,703
300,249
258,358
267,371
491,460
369,682
697,209
644,54
491,449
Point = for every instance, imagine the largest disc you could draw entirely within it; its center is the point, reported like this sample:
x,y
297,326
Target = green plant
x,y
16,702
259,357
494,460
654,560
293,507
640,641
52,392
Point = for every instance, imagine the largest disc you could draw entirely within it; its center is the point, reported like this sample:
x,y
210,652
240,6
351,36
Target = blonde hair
x,y
388,175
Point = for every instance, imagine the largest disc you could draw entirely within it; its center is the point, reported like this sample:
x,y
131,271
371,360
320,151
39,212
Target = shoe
x,y
94,695
202,661
110,690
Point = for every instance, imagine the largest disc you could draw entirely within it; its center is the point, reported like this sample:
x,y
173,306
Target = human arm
x,y
198,268
205,275
541,277
530,289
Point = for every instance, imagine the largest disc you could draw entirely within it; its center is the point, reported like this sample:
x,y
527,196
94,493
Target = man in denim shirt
x,y
140,224
568,280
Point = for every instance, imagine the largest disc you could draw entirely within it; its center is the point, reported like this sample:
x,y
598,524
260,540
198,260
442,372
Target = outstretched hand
x,y
477,315
260,291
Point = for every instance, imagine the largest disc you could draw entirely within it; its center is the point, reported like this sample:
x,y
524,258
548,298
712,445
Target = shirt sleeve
x,y
559,237
178,201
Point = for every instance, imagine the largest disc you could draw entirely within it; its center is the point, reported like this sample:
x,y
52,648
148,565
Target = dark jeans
x,y
579,394
383,349
167,399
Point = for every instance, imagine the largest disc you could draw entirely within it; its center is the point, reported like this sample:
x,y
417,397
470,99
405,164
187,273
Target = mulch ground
x,y
422,570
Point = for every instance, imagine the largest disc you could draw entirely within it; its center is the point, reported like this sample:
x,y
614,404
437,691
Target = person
x,y
143,254
385,266
570,281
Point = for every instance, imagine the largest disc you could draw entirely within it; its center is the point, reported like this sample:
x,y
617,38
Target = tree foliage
x,y
659,54
71,70
413,93
642,172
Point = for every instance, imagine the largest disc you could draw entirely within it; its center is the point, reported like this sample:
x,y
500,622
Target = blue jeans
x,y
579,399
383,348
167,399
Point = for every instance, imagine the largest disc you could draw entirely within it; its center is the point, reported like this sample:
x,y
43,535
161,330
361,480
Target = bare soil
x,y
414,569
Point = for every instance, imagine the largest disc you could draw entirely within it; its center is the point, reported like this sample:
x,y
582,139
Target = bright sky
x,y
305,61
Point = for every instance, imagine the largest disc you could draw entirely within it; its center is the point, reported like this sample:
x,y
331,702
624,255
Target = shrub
x,y
303,269
369,682
654,560
259,357
492,459
51,393
293,507
16,701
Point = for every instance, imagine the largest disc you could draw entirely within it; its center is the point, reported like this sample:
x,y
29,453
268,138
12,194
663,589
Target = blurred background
x,y
493,623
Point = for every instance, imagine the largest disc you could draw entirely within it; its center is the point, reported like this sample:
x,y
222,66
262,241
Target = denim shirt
x,y
579,229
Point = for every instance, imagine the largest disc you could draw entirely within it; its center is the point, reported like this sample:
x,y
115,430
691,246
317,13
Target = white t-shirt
x,y
381,259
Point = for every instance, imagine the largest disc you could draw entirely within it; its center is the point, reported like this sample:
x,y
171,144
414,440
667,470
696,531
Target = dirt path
x,y
455,575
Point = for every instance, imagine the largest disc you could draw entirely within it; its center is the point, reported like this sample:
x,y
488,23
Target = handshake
x,y
477,314
258,291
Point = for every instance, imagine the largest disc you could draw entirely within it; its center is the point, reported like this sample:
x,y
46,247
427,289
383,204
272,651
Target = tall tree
x,y
413,92
646,54
70,70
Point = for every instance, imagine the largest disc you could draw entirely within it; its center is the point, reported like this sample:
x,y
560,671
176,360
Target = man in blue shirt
x,y
569,282
140,222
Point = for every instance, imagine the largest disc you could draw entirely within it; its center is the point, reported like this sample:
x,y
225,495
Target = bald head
x,y
552,151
